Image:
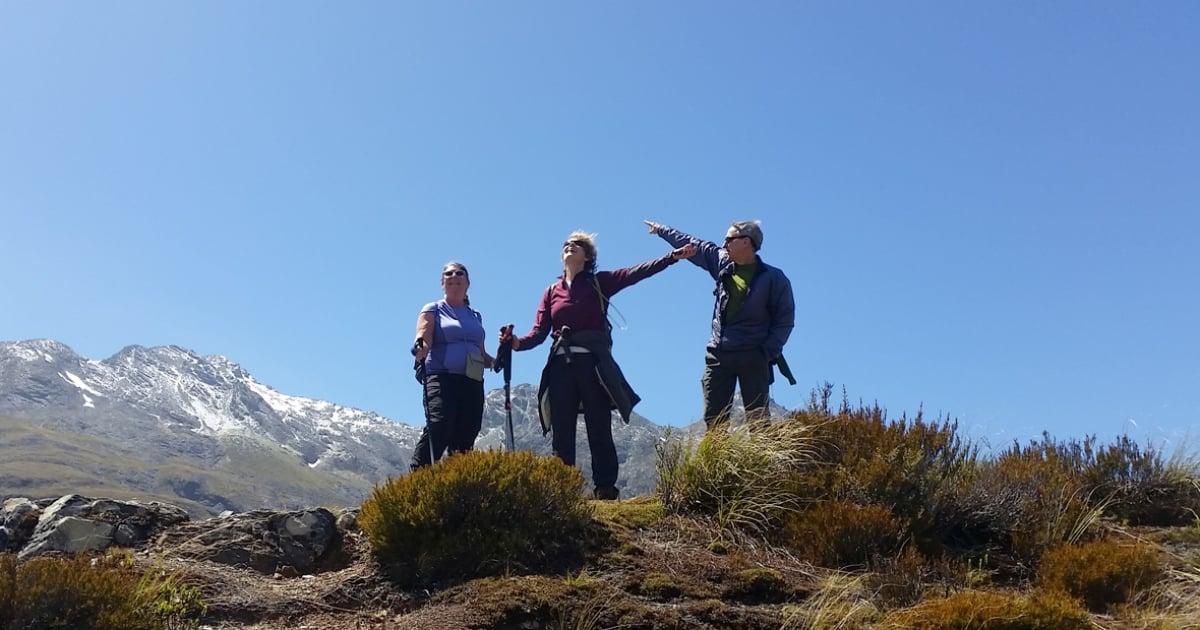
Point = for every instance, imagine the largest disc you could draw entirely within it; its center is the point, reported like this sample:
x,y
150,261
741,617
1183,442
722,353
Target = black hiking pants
x,y
723,371
571,385
453,417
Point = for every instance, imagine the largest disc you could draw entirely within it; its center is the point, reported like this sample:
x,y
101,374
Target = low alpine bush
x,y
1102,573
1145,487
1032,498
478,514
914,466
987,610
843,534
85,593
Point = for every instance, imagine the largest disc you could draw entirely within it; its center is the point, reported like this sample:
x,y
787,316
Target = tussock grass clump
x,y
1102,573
741,477
478,514
84,593
841,600
989,610
1172,603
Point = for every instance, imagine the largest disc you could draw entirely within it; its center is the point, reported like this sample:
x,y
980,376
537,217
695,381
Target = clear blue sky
x,y
988,208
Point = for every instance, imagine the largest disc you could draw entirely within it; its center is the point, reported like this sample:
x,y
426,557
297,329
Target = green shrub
x,y
843,534
740,477
84,593
985,610
478,514
1101,573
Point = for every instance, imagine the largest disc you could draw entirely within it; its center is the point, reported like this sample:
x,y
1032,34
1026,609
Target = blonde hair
x,y
589,247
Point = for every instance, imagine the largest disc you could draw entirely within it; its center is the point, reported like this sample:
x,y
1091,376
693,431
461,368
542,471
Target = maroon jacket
x,y
579,306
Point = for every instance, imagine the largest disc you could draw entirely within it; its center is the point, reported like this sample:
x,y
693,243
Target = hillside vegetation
x,y
834,518
43,459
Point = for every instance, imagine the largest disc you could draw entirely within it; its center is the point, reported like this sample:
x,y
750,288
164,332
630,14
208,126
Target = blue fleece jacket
x,y
768,314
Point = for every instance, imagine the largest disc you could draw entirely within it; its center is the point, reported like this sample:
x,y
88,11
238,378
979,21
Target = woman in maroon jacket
x,y
580,373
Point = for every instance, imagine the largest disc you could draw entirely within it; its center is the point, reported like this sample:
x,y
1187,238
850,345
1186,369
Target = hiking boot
x,y
606,493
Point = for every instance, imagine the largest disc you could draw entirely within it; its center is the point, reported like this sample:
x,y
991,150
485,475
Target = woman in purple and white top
x,y
450,344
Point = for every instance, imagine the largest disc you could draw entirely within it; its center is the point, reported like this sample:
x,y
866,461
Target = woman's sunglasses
x,y
453,272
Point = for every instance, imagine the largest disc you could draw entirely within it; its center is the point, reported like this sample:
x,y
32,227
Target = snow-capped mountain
x,y
174,390
168,422
199,427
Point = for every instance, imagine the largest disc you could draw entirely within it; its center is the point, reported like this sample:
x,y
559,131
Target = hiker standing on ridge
x,y
449,346
580,373
752,318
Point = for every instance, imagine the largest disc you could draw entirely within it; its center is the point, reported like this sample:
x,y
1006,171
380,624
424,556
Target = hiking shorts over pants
x,y
572,384
725,369
453,417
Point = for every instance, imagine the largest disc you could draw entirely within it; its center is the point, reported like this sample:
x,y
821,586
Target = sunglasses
x,y
729,239
579,244
453,272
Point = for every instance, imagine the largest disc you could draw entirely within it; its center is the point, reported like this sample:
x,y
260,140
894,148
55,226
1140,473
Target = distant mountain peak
x,y
39,350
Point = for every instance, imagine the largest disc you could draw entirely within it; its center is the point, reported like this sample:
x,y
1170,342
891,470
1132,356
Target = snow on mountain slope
x,y
209,396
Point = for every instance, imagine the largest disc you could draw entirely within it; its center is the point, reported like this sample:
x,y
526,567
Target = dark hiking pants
x,y
453,417
572,384
723,371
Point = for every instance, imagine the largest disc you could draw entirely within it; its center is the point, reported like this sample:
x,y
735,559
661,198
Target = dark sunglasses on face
x,y
578,244
454,272
729,239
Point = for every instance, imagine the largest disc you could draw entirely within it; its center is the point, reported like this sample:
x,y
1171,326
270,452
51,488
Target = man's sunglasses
x,y
454,272
729,239
579,244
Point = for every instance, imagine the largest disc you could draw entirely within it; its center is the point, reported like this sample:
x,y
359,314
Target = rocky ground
x,y
314,569
653,575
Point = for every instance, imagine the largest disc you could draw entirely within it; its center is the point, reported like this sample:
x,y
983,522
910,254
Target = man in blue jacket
x,y
752,318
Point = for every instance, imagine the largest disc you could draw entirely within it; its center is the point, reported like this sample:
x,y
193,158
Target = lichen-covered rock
x,y
18,518
74,523
261,540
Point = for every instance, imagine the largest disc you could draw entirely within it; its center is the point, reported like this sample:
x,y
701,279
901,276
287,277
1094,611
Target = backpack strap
x,y
604,301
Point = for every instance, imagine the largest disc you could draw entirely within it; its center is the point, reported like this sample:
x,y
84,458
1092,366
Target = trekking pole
x,y
419,371
504,362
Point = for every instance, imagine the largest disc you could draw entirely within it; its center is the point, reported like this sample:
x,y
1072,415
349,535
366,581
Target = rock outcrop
x,y
295,542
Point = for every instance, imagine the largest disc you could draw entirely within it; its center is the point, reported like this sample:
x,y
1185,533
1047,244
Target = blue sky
x,y
990,209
